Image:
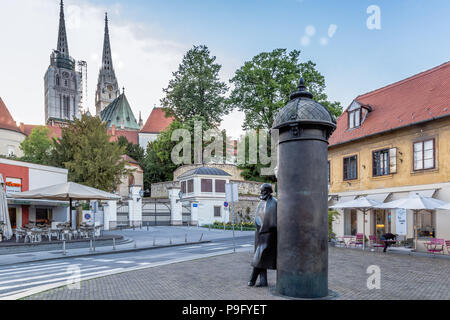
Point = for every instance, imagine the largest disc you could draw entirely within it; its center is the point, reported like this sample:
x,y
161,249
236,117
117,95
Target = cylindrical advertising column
x,y
302,219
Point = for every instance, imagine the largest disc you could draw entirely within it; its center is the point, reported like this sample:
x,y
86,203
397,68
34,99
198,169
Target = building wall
x,y
11,140
403,140
145,138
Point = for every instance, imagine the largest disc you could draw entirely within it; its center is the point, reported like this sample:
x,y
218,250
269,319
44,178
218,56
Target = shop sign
x,y
13,185
400,223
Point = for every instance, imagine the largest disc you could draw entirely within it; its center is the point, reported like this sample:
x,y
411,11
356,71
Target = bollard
x,y
185,238
90,245
64,247
224,227
209,227
201,237
147,227
114,243
241,228
154,242
170,241
135,244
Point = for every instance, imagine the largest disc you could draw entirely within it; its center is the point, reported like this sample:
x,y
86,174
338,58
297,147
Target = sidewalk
x,y
225,277
139,239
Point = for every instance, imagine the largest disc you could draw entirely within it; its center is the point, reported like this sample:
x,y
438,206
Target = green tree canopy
x,y
37,146
196,90
85,149
133,150
263,85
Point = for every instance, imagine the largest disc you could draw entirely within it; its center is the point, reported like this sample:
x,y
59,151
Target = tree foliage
x,y
37,146
263,85
196,89
91,158
132,150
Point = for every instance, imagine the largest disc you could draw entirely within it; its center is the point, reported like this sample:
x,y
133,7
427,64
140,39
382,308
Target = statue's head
x,y
266,191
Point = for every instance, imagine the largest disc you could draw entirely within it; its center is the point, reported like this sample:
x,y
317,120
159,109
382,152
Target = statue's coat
x,y
266,235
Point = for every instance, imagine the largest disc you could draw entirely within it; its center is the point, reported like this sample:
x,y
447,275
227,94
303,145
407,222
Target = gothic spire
x,y
63,46
107,59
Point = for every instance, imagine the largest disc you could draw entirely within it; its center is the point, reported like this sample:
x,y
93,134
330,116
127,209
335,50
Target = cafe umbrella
x,y
4,214
415,203
68,191
361,203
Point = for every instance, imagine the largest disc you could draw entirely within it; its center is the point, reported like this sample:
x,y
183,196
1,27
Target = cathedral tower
x,y
107,86
62,82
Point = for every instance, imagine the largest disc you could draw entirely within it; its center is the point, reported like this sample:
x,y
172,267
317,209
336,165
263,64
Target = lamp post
x,y
302,219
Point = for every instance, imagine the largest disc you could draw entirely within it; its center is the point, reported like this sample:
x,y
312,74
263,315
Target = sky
x,y
358,45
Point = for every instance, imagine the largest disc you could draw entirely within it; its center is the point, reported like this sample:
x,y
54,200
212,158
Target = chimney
x,y
113,130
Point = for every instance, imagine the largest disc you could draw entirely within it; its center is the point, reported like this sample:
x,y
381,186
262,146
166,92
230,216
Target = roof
x,y
422,97
119,112
205,171
131,161
55,131
132,136
157,121
6,120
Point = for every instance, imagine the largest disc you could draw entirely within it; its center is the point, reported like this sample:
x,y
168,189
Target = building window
x,y
183,187
217,212
220,186
350,168
426,224
190,186
354,118
43,216
11,151
424,155
57,80
380,163
206,185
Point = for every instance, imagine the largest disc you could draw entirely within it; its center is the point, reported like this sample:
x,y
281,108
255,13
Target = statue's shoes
x,y
262,284
250,283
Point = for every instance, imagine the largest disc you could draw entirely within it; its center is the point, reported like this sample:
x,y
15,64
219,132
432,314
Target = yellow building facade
x,y
389,144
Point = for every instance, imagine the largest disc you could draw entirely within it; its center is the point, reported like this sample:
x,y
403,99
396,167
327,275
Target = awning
x,y
424,193
346,198
37,202
380,197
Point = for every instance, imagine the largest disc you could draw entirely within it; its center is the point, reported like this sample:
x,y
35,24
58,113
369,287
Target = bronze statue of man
x,y
265,237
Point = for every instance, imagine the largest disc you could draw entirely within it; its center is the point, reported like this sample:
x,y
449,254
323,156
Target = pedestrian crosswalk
x,y
21,279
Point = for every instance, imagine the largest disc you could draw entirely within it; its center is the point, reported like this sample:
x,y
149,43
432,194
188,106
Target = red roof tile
x,y
6,120
132,136
157,121
422,97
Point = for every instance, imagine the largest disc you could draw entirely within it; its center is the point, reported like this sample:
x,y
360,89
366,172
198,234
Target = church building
x,y
62,82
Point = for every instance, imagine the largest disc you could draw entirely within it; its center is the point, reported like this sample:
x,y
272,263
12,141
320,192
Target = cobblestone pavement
x,y
225,277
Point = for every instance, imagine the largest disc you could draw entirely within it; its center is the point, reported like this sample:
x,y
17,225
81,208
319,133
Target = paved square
x,y
225,277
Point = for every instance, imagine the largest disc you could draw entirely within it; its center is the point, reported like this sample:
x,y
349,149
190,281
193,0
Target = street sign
x,y
195,205
231,192
87,216
226,204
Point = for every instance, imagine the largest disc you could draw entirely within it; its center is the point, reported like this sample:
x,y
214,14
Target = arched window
x,y
57,80
130,180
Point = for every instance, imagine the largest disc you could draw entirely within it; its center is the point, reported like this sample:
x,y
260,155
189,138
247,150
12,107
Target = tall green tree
x,y
157,164
37,146
263,85
133,150
85,149
196,89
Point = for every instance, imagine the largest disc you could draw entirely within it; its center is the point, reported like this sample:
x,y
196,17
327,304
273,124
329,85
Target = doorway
x,y
13,217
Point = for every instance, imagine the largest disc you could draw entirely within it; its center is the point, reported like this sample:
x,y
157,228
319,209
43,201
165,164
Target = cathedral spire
x,y
107,58
62,47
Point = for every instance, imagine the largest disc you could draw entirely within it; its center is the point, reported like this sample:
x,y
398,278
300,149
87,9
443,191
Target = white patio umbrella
x,y
363,204
67,192
414,203
445,207
4,214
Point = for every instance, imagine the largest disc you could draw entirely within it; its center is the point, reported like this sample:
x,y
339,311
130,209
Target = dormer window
x,y
357,114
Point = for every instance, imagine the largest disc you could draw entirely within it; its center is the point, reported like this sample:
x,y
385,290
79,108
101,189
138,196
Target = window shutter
x,y
393,160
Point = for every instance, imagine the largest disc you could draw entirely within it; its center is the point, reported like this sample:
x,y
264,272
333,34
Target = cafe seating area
x,y
38,233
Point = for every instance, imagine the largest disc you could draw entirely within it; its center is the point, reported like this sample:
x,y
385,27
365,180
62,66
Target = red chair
x,y
359,240
435,245
373,242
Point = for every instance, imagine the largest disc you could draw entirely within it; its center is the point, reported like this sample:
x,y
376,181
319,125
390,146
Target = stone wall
x,y
245,208
248,187
232,169
161,189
